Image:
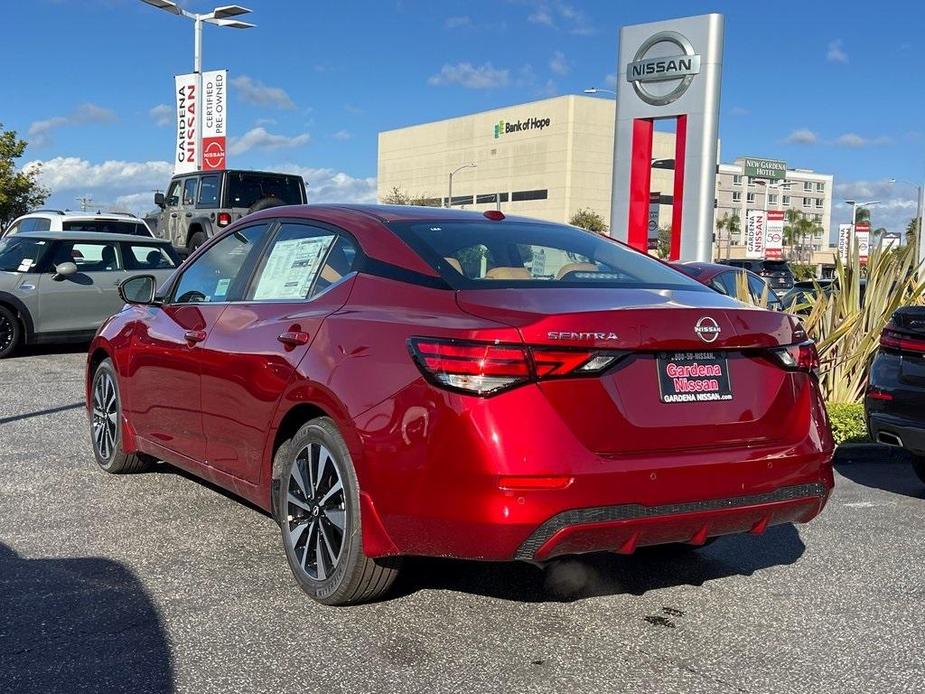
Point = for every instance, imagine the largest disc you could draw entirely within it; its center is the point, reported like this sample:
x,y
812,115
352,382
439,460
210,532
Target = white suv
x,y
58,220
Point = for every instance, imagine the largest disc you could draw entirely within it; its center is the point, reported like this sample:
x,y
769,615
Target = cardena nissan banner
x,y
214,119
754,234
187,92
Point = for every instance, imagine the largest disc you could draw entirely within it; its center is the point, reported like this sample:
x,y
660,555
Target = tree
x,y
664,242
912,229
397,196
862,215
19,190
586,218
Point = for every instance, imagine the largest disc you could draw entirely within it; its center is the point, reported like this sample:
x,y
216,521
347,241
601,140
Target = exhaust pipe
x,y
889,439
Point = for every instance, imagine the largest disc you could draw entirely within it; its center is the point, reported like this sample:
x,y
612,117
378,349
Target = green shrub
x,y
848,425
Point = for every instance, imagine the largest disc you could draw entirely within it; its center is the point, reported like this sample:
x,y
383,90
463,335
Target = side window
x,y
97,256
13,229
208,192
142,256
760,292
725,283
35,224
173,194
189,191
301,262
219,273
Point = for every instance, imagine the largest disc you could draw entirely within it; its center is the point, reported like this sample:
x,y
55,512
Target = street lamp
x,y
599,90
449,200
220,16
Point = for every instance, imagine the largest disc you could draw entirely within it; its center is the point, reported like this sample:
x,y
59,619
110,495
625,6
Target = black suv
x,y
199,203
775,272
895,401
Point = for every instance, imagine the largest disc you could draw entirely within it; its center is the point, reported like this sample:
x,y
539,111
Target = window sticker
x,y
24,265
222,288
291,267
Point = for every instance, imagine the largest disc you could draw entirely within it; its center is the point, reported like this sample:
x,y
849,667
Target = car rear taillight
x,y
893,339
799,357
223,219
486,368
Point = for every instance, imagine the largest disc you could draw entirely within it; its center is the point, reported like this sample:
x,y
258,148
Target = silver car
x,y
60,286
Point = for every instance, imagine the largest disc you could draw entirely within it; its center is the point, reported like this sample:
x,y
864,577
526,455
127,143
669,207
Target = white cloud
x,y
896,206
40,130
802,136
162,115
561,15
457,22
342,135
611,79
836,52
855,141
259,138
329,185
558,64
739,111
75,174
264,121
254,92
465,74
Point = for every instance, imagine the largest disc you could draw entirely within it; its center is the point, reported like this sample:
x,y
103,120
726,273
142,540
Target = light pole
x,y
220,16
598,90
854,208
449,199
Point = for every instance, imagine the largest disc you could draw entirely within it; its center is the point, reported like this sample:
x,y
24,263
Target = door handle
x,y
195,335
294,338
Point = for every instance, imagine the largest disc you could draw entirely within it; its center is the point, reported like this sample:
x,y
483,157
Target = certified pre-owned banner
x,y
754,234
774,236
187,158
214,119
862,234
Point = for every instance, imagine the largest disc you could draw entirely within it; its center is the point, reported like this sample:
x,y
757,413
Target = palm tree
x,y
791,227
862,216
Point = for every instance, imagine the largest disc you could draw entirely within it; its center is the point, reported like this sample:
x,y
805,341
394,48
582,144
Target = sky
x,y
832,86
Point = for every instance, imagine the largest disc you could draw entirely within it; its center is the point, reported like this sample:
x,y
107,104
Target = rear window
x,y
108,226
245,190
475,254
18,254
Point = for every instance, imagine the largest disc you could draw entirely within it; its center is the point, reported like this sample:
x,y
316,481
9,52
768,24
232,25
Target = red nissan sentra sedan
x,y
392,381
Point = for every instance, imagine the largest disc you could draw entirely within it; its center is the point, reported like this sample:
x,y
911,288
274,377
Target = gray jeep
x,y
197,205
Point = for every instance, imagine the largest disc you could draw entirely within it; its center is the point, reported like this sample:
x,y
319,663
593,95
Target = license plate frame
x,y
693,377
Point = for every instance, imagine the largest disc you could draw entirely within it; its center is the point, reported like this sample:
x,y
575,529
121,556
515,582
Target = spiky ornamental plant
x,y
846,325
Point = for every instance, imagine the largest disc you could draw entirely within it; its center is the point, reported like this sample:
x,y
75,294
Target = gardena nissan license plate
x,y
693,377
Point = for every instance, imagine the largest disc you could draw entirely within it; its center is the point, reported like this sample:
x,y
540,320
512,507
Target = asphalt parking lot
x,y
156,583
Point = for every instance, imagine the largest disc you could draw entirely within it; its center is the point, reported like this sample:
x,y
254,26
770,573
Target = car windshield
x,y
108,226
476,254
18,254
245,189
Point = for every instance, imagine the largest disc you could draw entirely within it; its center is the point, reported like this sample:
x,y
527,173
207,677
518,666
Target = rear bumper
x,y
911,433
624,528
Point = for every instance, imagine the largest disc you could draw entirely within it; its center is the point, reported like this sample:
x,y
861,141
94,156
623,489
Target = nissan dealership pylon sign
x,y
202,121
668,70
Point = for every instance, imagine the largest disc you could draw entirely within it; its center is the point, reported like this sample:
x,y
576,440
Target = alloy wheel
x,y
7,332
317,512
105,415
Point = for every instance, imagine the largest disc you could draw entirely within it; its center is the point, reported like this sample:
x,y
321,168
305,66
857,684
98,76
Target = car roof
x,y
76,214
86,236
388,213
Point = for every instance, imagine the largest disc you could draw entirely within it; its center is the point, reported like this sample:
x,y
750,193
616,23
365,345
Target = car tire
x,y
318,508
105,430
918,466
195,241
10,332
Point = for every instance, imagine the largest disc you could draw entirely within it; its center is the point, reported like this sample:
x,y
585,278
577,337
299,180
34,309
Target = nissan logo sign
x,y
662,67
707,329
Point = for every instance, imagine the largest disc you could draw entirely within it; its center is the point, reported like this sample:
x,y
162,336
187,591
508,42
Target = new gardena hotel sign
x,y
668,71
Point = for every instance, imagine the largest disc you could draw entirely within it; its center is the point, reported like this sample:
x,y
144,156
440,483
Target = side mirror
x,y
138,289
159,200
63,270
